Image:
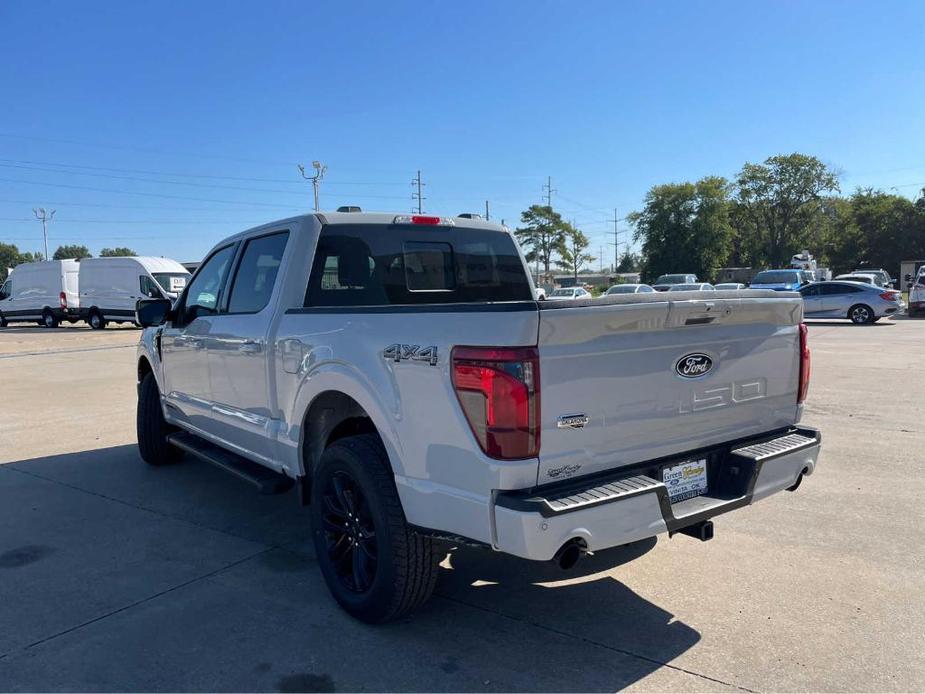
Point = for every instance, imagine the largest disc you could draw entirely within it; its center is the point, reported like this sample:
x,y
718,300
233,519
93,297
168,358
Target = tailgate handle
x,y
700,320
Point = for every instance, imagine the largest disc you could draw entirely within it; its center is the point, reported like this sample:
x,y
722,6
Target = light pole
x,y
44,218
320,169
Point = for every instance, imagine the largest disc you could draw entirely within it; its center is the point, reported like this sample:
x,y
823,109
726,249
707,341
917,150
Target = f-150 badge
x,y
398,352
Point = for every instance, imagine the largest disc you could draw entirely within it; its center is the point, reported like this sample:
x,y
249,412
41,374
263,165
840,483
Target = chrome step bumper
x,y
629,506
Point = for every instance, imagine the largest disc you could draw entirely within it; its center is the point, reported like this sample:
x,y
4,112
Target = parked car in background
x,y
917,294
883,277
664,282
568,293
44,292
861,303
781,280
110,287
629,289
729,285
856,277
693,287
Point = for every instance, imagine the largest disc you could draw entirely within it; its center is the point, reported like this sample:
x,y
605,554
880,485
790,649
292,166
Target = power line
x,y
188,175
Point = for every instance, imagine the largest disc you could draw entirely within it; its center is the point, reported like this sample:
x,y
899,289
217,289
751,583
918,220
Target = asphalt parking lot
x,y
115,576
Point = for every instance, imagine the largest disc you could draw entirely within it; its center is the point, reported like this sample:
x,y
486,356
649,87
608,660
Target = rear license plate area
x,y
685,480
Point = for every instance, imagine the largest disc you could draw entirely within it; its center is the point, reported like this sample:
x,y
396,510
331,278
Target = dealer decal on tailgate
x,y
685,480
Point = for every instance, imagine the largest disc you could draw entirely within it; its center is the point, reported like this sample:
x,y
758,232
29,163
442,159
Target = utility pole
x,y
601,258
549,191
416,181
320,170
487,216
616,242
45,219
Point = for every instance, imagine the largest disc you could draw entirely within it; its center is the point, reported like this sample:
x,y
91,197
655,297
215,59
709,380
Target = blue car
x,y
781,280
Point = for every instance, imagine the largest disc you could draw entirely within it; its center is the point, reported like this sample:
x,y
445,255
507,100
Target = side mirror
x,y
152,312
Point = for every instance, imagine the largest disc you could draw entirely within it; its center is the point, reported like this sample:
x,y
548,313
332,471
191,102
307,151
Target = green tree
x,y
543,234
685,227
9,257
72,251
889,229
116,252
572,253
779,205
629,262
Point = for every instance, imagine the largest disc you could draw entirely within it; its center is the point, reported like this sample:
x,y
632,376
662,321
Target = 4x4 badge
x,y
398,352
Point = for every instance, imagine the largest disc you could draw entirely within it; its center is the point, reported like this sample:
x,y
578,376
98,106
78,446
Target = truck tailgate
x,y
613,366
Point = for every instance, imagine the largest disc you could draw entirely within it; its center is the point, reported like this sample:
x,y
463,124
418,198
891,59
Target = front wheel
x,y
152,428
374,565
3,322
861,314
48,319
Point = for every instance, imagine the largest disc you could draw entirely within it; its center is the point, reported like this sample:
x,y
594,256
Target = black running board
x,y
267,481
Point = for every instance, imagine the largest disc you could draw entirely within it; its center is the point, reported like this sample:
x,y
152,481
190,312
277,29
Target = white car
x,y
865,277
569,293
44,292
729,285
696,287
917,294
629,289
110,287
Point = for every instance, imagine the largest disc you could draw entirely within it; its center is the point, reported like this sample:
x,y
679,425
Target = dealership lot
x,y
117,576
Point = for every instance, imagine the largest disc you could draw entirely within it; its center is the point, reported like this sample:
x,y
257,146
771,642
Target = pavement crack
x,y
137,507
142,601
592,642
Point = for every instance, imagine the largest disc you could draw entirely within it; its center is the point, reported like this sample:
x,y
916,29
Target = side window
x,y
149,287
810,291
6,290
256,273
202,295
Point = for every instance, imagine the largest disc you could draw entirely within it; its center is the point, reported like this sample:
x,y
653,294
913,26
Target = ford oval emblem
x,y
694,365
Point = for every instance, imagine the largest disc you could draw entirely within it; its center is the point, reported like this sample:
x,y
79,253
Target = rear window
x,y
673,279
776,277
382,265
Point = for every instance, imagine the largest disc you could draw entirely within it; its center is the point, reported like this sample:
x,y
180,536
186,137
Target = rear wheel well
x,y
144,368
331,416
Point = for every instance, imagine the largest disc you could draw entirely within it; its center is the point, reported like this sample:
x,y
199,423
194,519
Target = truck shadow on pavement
x,y
117,576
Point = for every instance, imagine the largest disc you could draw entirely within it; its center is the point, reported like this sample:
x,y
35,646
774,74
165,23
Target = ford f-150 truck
x,y
399,372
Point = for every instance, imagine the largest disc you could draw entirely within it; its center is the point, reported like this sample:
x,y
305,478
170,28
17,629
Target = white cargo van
x,y
45,292
109,287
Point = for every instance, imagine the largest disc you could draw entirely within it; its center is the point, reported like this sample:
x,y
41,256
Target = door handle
x,y
251,347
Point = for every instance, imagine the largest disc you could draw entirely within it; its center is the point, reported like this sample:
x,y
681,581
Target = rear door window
x,y
384,265
257,272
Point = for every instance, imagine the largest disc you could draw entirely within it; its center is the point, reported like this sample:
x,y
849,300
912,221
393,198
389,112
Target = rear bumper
x,y
610,511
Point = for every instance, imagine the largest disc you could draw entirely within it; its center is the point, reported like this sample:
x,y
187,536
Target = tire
x,y
152,428
861,314
375,577
96,320
48,319
3,322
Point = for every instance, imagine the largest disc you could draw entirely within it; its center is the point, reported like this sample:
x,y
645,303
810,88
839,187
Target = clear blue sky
x,y
487,98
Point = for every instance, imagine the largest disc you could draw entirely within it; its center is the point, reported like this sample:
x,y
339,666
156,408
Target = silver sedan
x,y
861,303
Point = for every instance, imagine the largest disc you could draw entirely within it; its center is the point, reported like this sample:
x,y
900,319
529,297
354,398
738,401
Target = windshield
x,y
173,282
673,279
623,289
776,277
563,292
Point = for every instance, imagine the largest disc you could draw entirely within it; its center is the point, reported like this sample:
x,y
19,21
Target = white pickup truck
x,y
399,371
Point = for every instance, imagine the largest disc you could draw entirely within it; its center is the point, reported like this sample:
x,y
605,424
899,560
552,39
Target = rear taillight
x,y
62,297
890,296
499,392
804,365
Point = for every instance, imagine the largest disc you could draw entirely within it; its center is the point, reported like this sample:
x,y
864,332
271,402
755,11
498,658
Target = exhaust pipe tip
x,y
569,554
